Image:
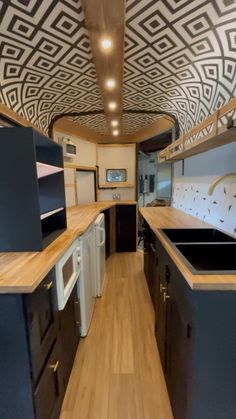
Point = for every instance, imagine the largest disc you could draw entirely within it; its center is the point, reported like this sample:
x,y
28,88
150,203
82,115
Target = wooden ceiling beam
x,y
106,18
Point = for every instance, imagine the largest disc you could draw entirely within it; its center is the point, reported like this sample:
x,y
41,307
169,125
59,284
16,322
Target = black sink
x,y
210,258
196,235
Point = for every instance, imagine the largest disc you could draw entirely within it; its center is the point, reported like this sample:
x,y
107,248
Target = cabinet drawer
x,y
49,391
42,322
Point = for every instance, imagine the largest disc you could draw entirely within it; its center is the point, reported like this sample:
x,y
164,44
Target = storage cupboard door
x,y
49,392
126,228
42,321
70,328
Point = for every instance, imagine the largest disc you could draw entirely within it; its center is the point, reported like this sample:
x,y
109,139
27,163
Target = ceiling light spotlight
x,y
110,83
112,106
106,43
114,123
115,132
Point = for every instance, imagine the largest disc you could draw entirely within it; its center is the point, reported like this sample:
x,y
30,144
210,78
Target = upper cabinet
x,y
217,130
32,205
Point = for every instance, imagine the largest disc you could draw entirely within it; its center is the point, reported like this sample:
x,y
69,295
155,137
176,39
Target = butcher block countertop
x,y
22,272
168,217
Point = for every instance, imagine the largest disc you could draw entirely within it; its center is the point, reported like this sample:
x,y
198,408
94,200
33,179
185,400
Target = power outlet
x,y
116,196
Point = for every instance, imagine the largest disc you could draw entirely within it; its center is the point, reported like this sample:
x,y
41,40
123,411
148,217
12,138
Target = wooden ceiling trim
x,y
107,18
69,128
159,126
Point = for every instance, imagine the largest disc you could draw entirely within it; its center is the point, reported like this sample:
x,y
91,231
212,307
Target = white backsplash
x,y
190,191
190,195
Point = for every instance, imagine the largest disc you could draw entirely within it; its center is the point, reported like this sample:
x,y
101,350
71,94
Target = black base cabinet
x,y
70,333
126,228
196,338
37,349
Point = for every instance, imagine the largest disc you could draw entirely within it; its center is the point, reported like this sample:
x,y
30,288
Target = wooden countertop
x,y
22,272
168,217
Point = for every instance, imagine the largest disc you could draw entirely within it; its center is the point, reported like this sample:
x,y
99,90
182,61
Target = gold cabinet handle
x,y
48,286
165,297
54,367
162,288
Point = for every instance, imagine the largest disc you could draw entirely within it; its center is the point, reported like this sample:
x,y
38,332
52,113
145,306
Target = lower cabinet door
x,y
126,228
49,392
179,340
42,322
70,329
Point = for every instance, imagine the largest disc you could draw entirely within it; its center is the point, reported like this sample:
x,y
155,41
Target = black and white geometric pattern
x,y
97,123
46,65
132,123
180,57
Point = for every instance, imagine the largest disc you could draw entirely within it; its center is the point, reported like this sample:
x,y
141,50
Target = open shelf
x,y
111,185
49,213
217,130
46,169
32,188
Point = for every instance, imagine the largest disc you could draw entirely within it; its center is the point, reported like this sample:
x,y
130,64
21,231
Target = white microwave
x,y
69,148
67,273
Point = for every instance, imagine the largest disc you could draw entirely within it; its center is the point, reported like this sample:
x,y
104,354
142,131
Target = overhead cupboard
x,y
32,190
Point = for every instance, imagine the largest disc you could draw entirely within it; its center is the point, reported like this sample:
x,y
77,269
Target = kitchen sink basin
x,y
209,258
196,235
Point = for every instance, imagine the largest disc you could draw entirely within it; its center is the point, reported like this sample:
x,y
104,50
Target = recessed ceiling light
x,y
110,83
114,123
115,132
106,43
112,105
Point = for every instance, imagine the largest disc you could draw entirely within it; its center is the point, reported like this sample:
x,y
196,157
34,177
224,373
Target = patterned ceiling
x,y
131,123
179,58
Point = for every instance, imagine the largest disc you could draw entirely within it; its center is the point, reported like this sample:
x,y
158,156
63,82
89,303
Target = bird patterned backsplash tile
x,y
191,196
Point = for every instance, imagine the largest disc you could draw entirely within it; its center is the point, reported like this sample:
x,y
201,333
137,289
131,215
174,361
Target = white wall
x,y
85,151
190,192
86,154
122,157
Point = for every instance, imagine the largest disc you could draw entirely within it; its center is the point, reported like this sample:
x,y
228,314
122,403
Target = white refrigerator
x,y
99,229
86,279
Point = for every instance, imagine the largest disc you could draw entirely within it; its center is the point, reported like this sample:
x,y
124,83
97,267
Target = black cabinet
x,y
42,322
32,190
49,392
37,350
197,343
70,333
126,228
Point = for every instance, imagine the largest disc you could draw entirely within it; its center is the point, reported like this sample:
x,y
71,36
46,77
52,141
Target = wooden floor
x,y
117,372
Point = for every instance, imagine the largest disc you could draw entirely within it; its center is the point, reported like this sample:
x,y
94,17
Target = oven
x,y
67,273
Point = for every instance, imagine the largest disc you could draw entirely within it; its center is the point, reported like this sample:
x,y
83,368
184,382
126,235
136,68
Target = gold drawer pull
x,y
48,286
54,367
165,297
162,288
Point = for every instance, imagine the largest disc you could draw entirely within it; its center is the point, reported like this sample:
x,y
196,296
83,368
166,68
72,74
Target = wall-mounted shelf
x,y
116,185
211,133
47,169
48,214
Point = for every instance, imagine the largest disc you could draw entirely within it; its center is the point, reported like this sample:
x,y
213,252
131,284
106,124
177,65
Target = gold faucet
x,y
218,180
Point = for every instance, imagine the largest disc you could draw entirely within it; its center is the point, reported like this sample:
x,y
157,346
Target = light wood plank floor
x,y
117,372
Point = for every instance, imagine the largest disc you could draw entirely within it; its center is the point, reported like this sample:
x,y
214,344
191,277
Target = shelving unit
x,y
32,201
214,132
